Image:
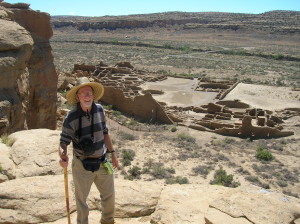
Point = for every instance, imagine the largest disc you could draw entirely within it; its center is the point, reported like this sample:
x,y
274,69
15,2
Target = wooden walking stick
x,y
67,193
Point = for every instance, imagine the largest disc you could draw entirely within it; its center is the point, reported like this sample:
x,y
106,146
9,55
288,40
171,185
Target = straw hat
x,y
98,90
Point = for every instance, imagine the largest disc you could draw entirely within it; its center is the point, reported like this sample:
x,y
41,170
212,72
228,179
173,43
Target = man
x,y
85,126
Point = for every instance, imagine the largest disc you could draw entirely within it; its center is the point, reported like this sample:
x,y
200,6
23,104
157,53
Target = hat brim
x,y
98,91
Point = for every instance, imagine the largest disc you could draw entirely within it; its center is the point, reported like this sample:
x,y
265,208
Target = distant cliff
x,y
274,21
27,73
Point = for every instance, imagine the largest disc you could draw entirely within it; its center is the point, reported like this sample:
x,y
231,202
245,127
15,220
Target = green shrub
x,y
278,57
126,136
149,163
1,168
279,82
253,179
177,180
248,80
128,156
116,113
107,107
186,137
282,183
202,170
146,170
159,171
170,170
173,129
291,194
221,178
132,122
186,49
263,154
135,172
229,140
115,41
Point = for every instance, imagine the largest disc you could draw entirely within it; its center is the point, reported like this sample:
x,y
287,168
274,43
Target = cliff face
x,y
27,73
285,22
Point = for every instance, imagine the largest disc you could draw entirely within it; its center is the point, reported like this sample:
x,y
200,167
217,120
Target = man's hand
x,y
64,161
115,160
63,154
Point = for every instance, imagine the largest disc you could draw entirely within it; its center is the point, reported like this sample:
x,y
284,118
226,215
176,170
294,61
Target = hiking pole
x,y
67,193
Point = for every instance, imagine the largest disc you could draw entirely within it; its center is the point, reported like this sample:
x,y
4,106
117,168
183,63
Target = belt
x,y
102,158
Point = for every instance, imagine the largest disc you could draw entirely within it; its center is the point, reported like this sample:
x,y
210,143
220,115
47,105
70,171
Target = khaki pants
x,y
83,181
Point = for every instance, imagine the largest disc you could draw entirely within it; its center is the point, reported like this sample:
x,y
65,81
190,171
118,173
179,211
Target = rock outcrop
x,y
35,195
28,87
15,46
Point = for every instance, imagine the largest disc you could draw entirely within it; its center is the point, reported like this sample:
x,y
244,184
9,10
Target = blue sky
x,y
127,7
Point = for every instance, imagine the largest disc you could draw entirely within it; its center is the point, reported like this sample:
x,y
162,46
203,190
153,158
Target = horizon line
x,y
276,10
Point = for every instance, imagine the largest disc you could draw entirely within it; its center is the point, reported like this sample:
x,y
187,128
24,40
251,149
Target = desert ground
x,y
170,153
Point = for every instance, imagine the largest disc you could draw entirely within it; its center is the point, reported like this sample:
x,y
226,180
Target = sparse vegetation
x,y
159,171
202,170
282,183
177,180
108,107
116,113
135,173
186,138
128,156
173,129
126,136
7,141
291,194
263,154
252,179
221,178
229,140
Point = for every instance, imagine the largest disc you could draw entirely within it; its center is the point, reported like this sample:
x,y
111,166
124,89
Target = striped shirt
x,y
71,126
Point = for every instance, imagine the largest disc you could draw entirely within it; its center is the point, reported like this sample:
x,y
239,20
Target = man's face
x,y
85,96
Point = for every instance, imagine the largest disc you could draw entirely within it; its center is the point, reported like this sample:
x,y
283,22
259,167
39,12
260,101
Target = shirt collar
x,y
82,113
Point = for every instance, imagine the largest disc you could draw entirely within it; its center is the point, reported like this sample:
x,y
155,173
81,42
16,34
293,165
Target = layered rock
x,y
184,20
28,87
16,46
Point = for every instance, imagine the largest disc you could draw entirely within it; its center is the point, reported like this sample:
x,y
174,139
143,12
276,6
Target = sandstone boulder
x,y
248,204
33,200
41,199
219,205
35,156
7,166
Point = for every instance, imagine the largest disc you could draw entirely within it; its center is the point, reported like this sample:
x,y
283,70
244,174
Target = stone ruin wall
x,y
122,90
28,77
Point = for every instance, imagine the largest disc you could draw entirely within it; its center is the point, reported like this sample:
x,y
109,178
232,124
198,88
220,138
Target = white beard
x,y
86,104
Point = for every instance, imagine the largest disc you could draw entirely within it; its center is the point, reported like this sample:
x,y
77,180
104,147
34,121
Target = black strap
x,y
91,126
